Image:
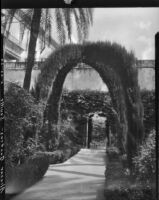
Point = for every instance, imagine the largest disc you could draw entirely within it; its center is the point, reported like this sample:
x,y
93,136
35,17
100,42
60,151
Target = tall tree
x,y
42,21
35,25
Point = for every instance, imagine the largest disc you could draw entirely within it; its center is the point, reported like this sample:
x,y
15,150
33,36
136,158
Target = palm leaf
x,y
84,22
68,21
60,25
8,20
78,24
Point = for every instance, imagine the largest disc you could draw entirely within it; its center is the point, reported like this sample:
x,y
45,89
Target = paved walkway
x,y
79,178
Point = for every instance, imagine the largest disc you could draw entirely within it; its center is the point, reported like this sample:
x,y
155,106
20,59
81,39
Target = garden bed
x,y
23,176
120,185
59,156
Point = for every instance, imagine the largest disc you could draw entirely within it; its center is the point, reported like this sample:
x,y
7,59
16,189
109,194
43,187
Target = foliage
x,y
85,101
112,152
124,162
145,161
122,83
99,131
40,21
148,100
72,128
63,18
61,155
67,135
130,193
54,157
19,126
20,177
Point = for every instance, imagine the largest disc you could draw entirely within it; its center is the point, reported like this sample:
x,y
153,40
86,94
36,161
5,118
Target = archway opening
x,y
83,99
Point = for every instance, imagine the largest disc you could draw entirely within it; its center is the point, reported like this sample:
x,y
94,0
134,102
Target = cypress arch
x,y
116,67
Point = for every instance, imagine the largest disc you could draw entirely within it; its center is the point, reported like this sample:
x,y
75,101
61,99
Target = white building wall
x,y
77,79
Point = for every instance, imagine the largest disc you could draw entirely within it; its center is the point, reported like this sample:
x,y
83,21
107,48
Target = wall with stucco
x,y
89,78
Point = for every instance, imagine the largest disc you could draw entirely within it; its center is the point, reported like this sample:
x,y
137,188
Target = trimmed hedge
x,y
112,153
60,156
85,101
21,177
145,161
148,100
131,193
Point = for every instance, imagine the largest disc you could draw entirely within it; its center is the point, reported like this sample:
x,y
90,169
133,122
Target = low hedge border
x,y
131,193
59,156
21,177
120,184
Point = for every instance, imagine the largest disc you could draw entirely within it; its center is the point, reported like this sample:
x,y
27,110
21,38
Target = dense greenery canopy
x,y
86,101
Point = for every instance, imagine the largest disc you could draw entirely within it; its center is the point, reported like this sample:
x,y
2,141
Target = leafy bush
x,y
124,161
85,101
40,165
70,132
148,100
26,149
20,108
53,157
145,161
60,156
131,193
112,152
20,177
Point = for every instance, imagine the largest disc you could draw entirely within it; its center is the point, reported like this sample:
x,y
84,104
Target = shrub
x,y
145,161
20,177
53,157
85,101
20,108
40,165
69,135
60,156
131,193
148,100
112,152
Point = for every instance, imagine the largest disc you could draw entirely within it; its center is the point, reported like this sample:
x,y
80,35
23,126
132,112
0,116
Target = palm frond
x,y
84,22
24,23
68,21
8,20
60,25
25,16
90,14
78,24
48,26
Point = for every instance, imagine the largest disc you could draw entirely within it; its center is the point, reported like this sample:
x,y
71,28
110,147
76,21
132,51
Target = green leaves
x,y
64,20
145,161
86,101
148,100
19,110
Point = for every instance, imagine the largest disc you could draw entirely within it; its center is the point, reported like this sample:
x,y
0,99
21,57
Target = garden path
x,y
79,178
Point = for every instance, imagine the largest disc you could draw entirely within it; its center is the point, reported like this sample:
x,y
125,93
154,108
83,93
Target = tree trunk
x,y
35,25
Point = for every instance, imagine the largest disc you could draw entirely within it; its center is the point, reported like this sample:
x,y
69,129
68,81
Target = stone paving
x,y
79,178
